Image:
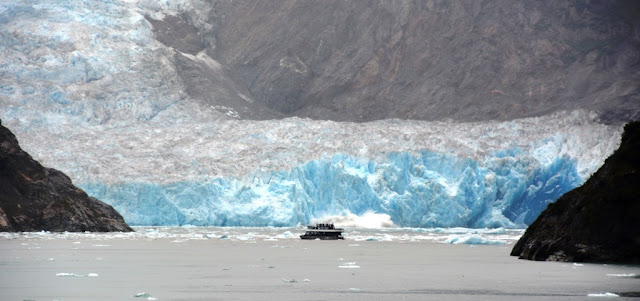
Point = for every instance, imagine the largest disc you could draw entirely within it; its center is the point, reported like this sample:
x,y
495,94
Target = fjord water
x,y
214,263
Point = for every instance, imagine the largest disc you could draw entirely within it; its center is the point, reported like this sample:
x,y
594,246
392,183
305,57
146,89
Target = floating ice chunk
x,y
354,289
224,237
349,265
473,240
144,295
605,295
575,264
289,280
76,275
67,275
306,280
632,275
496,231
287,234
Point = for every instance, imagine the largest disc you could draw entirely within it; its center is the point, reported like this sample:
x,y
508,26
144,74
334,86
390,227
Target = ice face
x,y
427,189
88,90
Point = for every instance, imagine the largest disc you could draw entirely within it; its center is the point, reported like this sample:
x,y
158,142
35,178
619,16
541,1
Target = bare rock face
x,y
35,198
428,60
597,222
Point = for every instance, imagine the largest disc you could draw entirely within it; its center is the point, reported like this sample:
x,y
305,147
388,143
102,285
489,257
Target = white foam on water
x,y
368,220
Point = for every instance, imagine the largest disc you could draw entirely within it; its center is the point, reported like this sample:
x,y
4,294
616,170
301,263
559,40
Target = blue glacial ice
x,y
88,90
428,189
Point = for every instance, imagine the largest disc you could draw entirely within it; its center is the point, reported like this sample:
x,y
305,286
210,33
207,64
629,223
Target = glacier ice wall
x,y
285,172
428,189
88,90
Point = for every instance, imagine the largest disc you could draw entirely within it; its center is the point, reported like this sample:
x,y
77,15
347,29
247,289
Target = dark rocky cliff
x,y
597,222
430,60
35,198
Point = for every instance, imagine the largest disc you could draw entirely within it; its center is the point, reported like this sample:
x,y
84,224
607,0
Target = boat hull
x,y
321,237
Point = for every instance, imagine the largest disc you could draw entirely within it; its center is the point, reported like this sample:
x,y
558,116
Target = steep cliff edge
x,y
35,198
597,222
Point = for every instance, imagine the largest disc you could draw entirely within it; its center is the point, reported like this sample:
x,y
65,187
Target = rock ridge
x,y
36,198
597,222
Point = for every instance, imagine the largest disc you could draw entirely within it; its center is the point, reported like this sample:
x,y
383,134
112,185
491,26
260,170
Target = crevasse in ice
x,y
89,91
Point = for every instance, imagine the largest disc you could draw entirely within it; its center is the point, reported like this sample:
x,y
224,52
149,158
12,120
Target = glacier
x,y
427,190
88,90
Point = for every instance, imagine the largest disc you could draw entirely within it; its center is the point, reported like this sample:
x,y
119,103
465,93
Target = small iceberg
x,y
632,275
349,265
144,295
67,275
472,240
76,275
605,295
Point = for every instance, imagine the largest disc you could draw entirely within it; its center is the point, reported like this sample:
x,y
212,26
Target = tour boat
x,y
323,232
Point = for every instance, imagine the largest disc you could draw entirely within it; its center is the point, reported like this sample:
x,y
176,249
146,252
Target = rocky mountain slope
x,y
597,222
35,198
429,60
